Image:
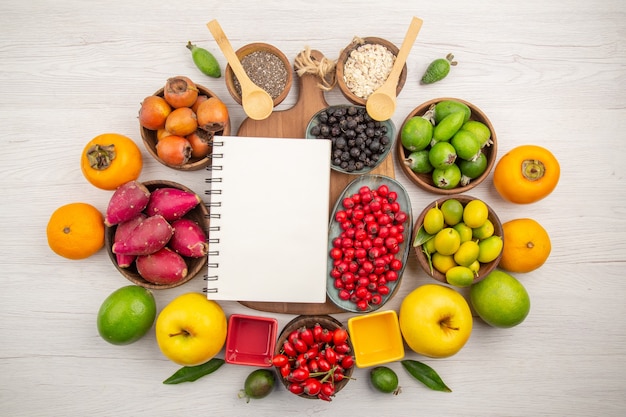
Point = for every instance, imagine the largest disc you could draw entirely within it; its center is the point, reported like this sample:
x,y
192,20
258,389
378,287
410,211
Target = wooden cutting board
x,y
291,123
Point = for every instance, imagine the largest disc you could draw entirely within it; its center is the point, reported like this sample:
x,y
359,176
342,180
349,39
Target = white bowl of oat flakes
x,y
364,65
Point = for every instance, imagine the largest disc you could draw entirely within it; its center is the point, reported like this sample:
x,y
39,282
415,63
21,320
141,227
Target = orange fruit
x,y
526,245
76,231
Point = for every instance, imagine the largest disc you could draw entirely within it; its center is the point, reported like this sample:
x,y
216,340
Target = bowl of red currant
x,y
368,243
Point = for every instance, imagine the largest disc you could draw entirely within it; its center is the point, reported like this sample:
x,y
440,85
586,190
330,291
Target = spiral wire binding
x,y
212,180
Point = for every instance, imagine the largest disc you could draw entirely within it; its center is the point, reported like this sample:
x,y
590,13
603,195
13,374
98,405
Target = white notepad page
x,y
268,234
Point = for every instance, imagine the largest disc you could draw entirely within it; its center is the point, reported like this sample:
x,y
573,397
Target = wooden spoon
x,y
381,104
256,102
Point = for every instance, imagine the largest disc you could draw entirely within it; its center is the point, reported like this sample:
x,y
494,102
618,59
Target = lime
x,y
126,315
452,210
447,241
460,276
467,253
447,178
416,133
258,384
500,300
446,107
466,145
433,220
489,249
475,213
384,379
442,155
480,130
418,162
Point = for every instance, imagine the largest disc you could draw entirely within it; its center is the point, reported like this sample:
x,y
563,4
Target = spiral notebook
x,y
269,212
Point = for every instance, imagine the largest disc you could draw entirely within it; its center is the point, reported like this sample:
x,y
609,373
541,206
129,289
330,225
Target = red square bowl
x,y
250,340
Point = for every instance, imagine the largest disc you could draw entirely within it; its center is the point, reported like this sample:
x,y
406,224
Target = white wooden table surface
x,y
547,73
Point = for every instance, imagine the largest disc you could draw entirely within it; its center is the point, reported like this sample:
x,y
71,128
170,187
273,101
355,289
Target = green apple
x,y
435,320
500,300
191,329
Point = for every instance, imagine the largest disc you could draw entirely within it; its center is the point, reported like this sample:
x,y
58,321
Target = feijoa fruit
x,y
384,379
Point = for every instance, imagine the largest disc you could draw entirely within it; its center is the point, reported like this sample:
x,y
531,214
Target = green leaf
x,y
430,259
421,237
192,373
425,374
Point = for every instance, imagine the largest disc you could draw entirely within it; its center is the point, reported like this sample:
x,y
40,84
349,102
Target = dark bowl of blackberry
x,y
359,143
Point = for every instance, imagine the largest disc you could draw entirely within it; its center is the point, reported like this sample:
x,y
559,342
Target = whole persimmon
x,y
180,91
153,112
200,142
110,160
181,122
526,174
212,115
174,150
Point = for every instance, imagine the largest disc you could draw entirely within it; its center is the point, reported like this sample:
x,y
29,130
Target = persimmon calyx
x,y
100,157
533,169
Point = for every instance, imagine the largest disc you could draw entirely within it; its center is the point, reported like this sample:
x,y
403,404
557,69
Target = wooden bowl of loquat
x,y
198,147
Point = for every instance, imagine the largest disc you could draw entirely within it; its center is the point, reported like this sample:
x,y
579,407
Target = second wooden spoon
x,y
256,102
381,104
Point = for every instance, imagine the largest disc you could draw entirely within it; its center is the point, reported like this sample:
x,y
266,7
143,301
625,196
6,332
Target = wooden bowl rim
x,y
343,56
309,321
149,138
464,199
245,50
425,181
195,265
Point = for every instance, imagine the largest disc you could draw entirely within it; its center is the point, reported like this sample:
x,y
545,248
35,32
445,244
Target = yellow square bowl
x,y
376,338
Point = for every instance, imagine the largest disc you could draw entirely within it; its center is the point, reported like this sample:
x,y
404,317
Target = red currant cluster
x,y
313,360
364,253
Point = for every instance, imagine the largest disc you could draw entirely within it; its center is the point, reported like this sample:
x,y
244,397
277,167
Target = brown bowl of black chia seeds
x,y
266,66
